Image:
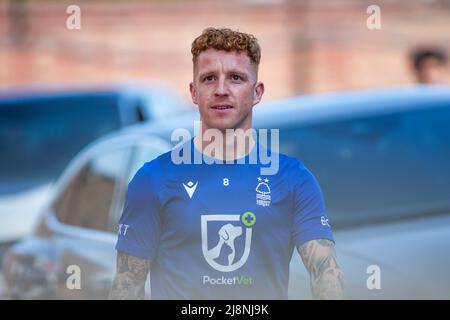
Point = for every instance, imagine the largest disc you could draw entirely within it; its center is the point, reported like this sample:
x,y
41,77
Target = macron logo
x,y
190,188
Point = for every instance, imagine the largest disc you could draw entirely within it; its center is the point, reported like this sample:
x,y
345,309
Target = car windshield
x,y
380,167
38,137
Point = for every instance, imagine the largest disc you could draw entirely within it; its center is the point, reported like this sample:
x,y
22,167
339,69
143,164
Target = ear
x,y
193,91
259,91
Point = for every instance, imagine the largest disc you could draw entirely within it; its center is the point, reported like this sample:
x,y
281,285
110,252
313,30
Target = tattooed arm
x,y
131,275
326,277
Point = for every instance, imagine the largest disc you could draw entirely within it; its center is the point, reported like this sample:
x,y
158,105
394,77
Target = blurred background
x,y
307,46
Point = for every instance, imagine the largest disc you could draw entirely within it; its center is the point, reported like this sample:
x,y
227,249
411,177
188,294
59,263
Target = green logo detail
x,y
248,219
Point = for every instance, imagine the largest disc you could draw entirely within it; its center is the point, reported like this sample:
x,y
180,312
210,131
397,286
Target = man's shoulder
x,y
291,169
155,165
286,161
289,159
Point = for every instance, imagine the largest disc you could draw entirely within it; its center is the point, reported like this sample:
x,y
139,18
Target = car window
x,y
141,153
40,136
379,167
163,103
91,195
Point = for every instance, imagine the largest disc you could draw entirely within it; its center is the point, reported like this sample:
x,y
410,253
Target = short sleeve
x,y
140,224
310,217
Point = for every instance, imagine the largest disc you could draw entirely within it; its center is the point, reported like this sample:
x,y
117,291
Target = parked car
x,y
382,159
41,129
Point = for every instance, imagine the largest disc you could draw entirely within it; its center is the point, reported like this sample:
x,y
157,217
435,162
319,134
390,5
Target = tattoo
x,y
129,282
326,277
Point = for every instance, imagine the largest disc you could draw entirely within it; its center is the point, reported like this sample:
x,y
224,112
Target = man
x,y
218,231
429,65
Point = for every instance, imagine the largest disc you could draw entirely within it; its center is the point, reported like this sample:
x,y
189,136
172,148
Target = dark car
x,y
382,159
41,129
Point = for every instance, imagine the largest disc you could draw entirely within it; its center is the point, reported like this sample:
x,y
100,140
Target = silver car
x,y
382,159
43,128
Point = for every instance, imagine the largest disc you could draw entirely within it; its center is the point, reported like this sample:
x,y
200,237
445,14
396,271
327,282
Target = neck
x,y
224,145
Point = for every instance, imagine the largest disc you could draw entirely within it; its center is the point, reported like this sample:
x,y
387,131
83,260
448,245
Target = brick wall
x,y
308,46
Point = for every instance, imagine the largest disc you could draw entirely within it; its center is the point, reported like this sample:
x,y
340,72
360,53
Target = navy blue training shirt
x,y
220,231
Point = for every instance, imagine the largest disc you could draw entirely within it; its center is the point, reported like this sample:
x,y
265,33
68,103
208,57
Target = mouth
x,y
222,107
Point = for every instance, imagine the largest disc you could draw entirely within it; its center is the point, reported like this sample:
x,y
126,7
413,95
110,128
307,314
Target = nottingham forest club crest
x,y
263,193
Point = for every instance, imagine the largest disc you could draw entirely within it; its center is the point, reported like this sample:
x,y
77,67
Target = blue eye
x,y
236,77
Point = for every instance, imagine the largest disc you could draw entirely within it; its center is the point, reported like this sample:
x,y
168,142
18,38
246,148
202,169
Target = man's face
x,y
432,71
225,89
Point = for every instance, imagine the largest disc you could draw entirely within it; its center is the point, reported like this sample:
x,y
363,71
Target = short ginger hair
x,y
227,40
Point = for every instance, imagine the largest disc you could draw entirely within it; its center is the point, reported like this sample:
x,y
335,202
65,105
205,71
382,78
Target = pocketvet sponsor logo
x,y
233,228
228,281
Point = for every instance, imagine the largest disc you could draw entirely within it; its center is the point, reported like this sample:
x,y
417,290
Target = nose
x,y
221,88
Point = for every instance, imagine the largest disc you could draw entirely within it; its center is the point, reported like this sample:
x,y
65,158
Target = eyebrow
x,y
242,74
208,73
204,74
